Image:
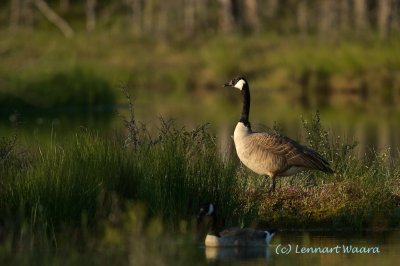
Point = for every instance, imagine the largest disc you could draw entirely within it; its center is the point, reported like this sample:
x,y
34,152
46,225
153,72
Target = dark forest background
x,y
207,17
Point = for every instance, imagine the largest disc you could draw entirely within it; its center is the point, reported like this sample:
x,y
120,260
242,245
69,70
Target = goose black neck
x,y
246,105
214,227
217,225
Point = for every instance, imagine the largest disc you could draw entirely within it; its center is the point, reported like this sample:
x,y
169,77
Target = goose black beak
x,y
229,84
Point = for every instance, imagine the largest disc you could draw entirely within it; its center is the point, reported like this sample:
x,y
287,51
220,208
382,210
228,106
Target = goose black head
x,y
269,234
238,83
207,209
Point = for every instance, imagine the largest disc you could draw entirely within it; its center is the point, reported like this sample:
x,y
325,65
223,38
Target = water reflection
x,y
44,129
237,253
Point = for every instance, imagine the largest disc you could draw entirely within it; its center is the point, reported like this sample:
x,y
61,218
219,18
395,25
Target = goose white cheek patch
x,y
239,84
268,236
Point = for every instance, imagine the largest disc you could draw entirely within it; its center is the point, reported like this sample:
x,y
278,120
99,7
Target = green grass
x,y
173,172
95,194
361,194
91,188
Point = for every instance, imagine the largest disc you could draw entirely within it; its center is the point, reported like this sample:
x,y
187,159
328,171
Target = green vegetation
x,y
172,174
361,194
298,71
87,187
97,189
61,92
82,196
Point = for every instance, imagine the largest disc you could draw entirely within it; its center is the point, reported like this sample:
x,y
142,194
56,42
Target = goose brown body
x,y
275,155
268,153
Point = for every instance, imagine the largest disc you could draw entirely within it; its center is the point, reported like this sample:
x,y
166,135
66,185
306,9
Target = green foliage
x,y
10,156
172,174
77,90
288,71
360,194
6,148
339,152
87,187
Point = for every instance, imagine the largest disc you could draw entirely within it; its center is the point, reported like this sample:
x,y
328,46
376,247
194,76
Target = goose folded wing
x,y
243,233
292,152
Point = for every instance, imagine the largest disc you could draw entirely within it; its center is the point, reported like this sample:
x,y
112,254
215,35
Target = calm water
x,y
375,129
372,133
386,246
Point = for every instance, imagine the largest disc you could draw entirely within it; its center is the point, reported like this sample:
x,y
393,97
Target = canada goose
x,y
270,154
232,237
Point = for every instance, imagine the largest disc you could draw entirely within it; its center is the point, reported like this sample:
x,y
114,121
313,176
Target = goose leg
x,y
272,186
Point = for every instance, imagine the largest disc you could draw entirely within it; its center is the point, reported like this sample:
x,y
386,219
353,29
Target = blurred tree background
x,y
208,17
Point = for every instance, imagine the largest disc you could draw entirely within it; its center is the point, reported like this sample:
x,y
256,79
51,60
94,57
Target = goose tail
x,y
317,161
